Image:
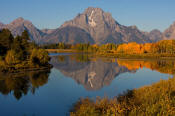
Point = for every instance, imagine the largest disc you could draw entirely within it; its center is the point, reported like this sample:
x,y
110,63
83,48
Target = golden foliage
x,y
11,57
164,46
39,57
158,65
155,100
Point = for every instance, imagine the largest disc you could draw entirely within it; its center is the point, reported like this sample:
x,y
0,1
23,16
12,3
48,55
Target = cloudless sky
x,y
145,14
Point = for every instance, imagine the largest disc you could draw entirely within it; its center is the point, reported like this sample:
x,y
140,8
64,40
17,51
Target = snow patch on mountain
x,y
91,20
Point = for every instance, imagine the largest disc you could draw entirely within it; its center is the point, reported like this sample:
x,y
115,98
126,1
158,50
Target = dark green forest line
x,y
19,53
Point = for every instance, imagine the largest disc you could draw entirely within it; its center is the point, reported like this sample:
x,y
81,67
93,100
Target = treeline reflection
x,y
95,72
162,66
22,83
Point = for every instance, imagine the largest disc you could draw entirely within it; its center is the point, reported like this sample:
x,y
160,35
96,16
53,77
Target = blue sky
x,y
145,14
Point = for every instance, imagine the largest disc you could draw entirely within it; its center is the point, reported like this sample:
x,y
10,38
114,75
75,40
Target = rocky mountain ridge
x,y
103,28
19,25
169,33
92,26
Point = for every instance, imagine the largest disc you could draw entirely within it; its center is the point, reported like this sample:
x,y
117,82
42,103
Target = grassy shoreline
x,y
157,99
20,72
61,50
12,69
117,55
139,56
22,66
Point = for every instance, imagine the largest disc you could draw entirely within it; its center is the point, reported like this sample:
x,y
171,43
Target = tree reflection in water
x,y
162,66
20,84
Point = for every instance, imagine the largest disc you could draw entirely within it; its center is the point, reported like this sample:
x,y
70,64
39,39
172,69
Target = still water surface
x,y
53,92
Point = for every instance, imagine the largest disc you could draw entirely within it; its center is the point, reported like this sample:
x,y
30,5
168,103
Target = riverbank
x,y
117,55
61,51
157,99
138,56
22,66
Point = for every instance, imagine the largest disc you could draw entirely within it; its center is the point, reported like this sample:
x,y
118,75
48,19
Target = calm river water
x,y
73,76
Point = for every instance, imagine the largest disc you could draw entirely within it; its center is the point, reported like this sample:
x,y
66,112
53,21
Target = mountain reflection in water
x,y
94,73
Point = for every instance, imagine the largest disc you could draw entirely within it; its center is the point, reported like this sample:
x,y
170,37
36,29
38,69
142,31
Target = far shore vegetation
x,y
155,100
162,65
18,53
161,49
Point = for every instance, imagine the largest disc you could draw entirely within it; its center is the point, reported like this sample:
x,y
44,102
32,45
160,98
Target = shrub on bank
x,y
11,58
155,100
39,57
